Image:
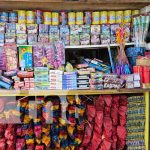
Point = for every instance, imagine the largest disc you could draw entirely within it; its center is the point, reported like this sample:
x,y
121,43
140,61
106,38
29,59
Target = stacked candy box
x,y
55,79
70,80
96,81
41,77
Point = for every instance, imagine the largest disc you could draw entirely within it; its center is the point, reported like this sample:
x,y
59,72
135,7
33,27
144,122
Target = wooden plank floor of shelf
x,y
67,92
73,5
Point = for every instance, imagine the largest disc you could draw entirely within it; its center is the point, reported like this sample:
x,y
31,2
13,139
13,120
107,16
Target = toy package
x,y
21,39
88,18
25,57
53,34
20,28
105,33
75,29
64,34
86,29
95,39
95,29
127,30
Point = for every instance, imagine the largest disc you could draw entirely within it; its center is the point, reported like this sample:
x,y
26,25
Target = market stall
x,y
89,60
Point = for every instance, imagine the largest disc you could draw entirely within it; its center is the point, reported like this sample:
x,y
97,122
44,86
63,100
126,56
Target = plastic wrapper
x,y
91,112
85,39
74,40
43,29
95,39
20,144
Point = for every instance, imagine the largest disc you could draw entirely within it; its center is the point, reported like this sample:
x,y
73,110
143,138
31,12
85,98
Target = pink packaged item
x,y
11,56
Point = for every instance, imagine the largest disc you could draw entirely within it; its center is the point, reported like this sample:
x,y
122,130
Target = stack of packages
x,y
83,76
96,81
69,80
24,80
95,34
41,77
113,82
3,59
136,123
132,80
55,79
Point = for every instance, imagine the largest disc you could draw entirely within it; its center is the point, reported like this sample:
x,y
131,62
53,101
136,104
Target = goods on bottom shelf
x,y
94,122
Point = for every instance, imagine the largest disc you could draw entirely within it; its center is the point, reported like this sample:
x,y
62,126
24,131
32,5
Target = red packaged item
x,y
107,124
2,144
90,112
121,133
106,145
20,143
108,100
39,147
25,74
87,134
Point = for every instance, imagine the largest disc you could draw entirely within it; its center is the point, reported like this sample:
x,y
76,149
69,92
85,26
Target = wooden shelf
x,y
67,92
73,5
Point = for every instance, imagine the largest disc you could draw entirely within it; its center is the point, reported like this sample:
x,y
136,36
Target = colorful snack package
x,y
86,29
10,28
85,39
95,39
127,30
21,39
32,28
95,29
21,28
75,29
74,40
113,29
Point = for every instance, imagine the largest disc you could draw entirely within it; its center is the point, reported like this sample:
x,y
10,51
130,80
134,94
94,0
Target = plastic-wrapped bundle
x,y
3,59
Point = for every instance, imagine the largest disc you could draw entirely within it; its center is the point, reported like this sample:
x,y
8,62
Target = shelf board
x,y
95,46
67,92
73,5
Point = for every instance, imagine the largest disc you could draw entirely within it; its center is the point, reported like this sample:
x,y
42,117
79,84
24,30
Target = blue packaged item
x,y
10,27
13,17
64,34
135,51
5,85
1,38
4,17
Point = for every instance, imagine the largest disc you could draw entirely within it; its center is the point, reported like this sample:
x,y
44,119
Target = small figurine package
x,y
105,34
74,40
10,28
43,28
85,39
113,29
10,38
43,38
21,39
32,28
2,27
32,39
21,28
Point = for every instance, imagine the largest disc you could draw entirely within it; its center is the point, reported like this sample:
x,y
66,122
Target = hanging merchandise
x,y
95,17
21,16
47,18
